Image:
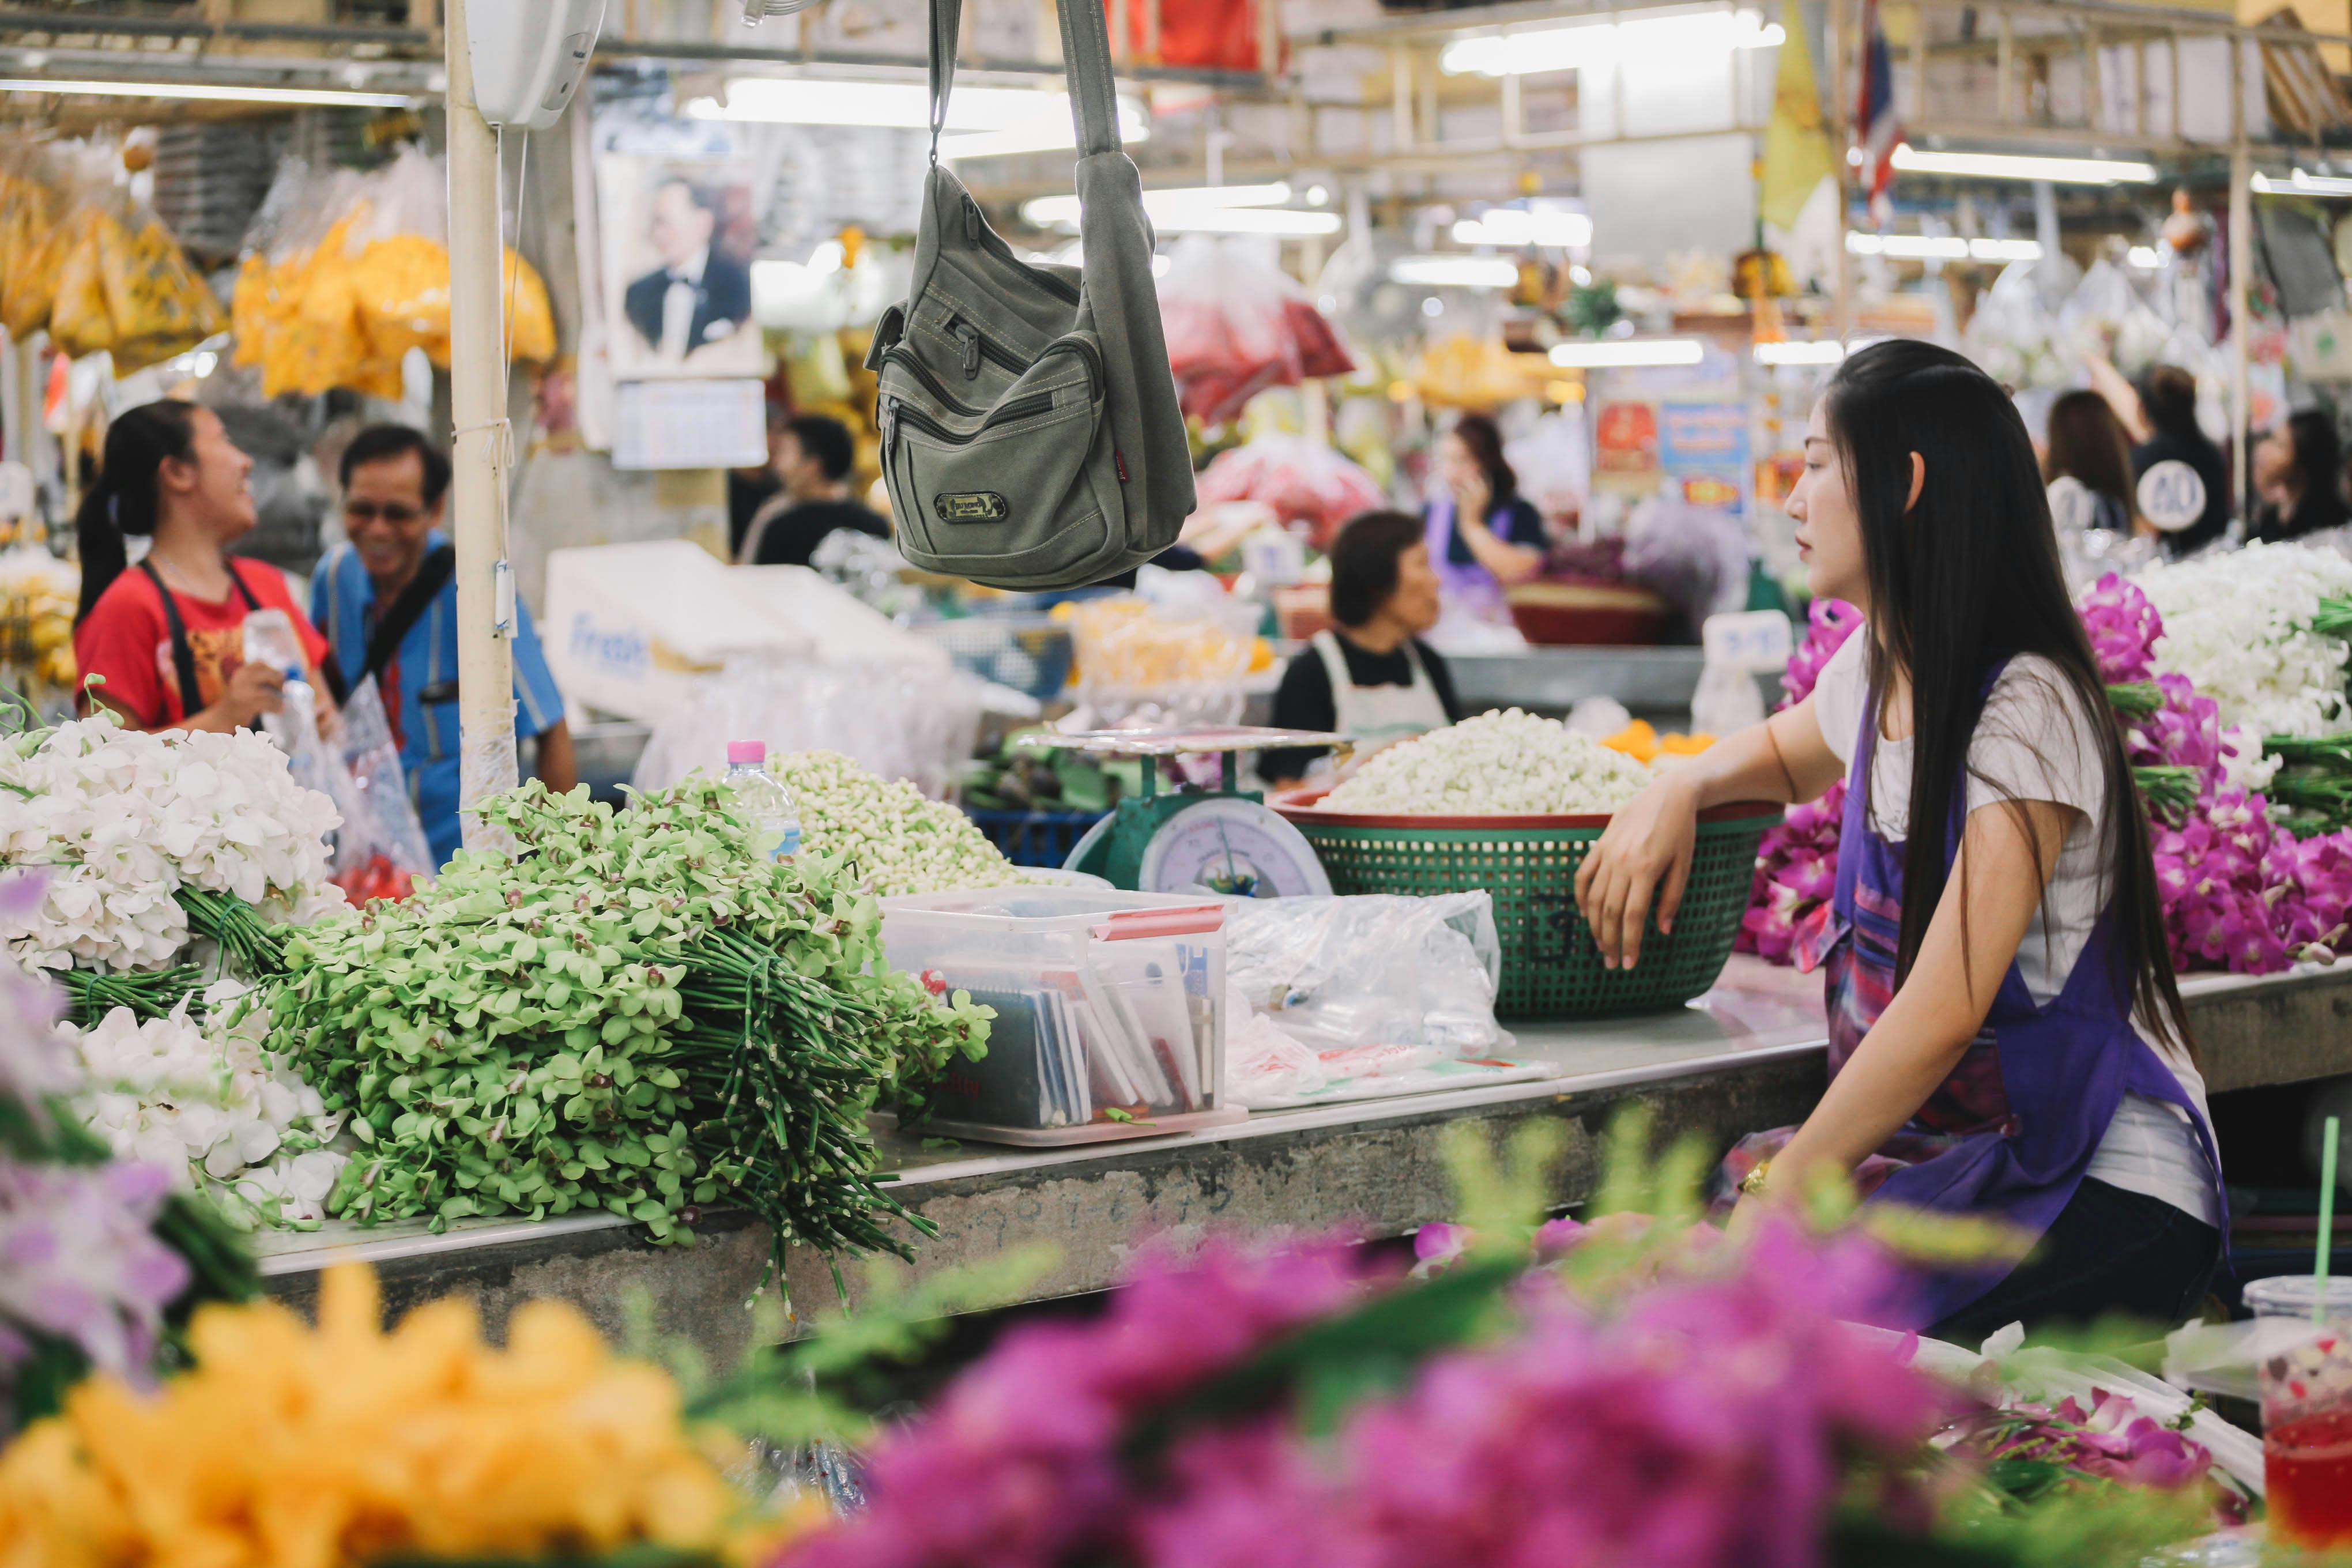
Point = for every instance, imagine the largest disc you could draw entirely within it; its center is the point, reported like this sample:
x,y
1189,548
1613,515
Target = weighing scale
x,y
1225,839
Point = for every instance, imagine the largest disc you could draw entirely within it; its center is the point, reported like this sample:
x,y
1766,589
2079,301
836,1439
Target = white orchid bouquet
x,y
210,1102
125,821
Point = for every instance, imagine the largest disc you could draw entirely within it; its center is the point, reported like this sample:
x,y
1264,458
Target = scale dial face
x,y
1233,846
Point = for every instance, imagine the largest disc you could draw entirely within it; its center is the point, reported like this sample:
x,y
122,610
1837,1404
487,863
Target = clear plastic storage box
x,y
1110,1009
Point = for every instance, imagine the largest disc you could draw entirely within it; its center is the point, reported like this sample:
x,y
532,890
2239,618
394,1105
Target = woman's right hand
x,y
1645,854
254,689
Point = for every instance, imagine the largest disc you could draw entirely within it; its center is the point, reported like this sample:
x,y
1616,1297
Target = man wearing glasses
x,y
387,600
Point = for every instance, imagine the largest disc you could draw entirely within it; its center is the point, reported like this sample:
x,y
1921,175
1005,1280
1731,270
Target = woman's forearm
x,y
1907,1054
1507,563
1771,761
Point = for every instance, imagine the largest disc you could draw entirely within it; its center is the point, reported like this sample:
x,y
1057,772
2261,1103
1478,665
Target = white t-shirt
x,y
2037,742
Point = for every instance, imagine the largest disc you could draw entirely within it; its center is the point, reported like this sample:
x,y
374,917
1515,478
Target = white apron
x,y
1379,716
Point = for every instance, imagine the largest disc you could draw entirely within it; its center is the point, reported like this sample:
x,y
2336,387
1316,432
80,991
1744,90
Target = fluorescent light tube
x,y
1512,228
1171,203
2010,166
1828,351
1940,248
2305,185
212,92
1455,272
1029,120
1629,353
1645,40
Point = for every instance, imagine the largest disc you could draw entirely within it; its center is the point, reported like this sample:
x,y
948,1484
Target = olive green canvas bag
x,y
1031,437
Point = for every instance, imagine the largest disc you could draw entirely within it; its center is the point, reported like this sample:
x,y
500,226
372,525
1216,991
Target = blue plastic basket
x,y
1028,653
1034,838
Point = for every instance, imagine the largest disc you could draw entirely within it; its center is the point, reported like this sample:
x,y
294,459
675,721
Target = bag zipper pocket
x,y
898,413
976,232
900,354
977,347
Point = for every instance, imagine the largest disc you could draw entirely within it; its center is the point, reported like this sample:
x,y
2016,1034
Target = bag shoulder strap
x,y
184,658
1085,67
243,591
433,574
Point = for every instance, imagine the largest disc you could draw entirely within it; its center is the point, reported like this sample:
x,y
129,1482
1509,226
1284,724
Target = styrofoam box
x,y
1110,1009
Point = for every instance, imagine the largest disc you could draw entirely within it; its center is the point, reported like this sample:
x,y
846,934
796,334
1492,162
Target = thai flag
x,y
1874,116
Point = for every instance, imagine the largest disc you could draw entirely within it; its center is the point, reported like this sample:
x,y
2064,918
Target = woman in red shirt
x,y
177,619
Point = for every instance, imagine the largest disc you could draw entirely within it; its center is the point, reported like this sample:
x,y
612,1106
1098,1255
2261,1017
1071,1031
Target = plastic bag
x,y
1263,1064
31,247
1371,970
1236,325
400,269
1302,481
80,322
160,305
381,849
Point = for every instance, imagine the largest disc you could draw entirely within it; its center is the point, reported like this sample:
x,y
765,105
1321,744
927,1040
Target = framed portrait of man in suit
x,y
678,239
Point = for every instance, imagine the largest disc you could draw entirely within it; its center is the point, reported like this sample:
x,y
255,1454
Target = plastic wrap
x,y
900,721
1302,481
1347,976
32,241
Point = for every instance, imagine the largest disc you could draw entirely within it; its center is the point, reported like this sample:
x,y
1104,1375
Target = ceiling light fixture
x,y
2301,184
1828,351
1643,41
1170,202
210,93
1511,228
997,120
1629,353
1454,271
2012,166
2144,256
1940,248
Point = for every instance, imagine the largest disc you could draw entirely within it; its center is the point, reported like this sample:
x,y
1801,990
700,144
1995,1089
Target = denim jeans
x,y
2108,1252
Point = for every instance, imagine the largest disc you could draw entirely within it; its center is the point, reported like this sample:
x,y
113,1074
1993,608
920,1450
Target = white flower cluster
x,y
902,840
2237,625
1496,764
208,1101
127,818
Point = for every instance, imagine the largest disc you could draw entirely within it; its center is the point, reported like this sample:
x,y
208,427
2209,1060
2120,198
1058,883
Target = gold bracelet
x,y
1752,1184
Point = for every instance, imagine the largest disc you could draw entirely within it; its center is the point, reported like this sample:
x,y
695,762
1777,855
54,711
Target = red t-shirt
x,y
128,640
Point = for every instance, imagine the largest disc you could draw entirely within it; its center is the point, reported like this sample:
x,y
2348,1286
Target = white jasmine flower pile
x,y
1498,765
127,818
901,840
207,1101
2238,625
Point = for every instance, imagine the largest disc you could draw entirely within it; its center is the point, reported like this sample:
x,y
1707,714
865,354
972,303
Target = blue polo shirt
x,y
343,606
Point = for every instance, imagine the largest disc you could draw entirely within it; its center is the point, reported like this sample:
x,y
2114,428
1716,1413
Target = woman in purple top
x,y
2006,1036
1483,535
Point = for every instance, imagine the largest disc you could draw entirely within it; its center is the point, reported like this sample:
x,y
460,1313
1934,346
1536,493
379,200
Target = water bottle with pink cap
x,y
775,821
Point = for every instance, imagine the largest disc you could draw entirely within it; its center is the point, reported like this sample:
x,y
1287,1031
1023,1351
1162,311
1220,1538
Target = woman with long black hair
x,y
2006,1036
167,637
1483,535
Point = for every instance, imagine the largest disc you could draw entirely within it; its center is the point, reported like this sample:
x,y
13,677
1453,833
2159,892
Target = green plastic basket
x,y
1551,970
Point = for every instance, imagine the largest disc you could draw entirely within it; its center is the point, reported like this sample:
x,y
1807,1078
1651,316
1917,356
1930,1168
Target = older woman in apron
x,y
1371,678
2006,1036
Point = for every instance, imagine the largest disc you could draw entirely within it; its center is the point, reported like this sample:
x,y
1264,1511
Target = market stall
x,y
1031,929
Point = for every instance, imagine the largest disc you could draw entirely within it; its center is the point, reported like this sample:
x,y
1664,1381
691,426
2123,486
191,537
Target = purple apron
x,y
1470,589
2011,1132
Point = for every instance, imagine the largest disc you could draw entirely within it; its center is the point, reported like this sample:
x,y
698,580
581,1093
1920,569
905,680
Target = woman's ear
x,y
175,474
1918,481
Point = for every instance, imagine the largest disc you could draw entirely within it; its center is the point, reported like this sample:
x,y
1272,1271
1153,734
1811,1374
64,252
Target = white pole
x,y
484,446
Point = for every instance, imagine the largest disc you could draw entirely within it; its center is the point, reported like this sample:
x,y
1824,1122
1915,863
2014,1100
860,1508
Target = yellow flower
x,y
291,1447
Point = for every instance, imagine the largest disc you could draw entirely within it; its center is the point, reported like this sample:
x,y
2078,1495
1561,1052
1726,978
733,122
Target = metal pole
x,y
1841,34
2241,262
484,445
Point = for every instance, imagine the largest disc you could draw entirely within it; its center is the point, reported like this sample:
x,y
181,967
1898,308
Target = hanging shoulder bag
x,y
1031,437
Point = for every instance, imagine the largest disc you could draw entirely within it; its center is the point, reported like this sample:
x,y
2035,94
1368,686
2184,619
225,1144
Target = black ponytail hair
x,y
1960,582
127,497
